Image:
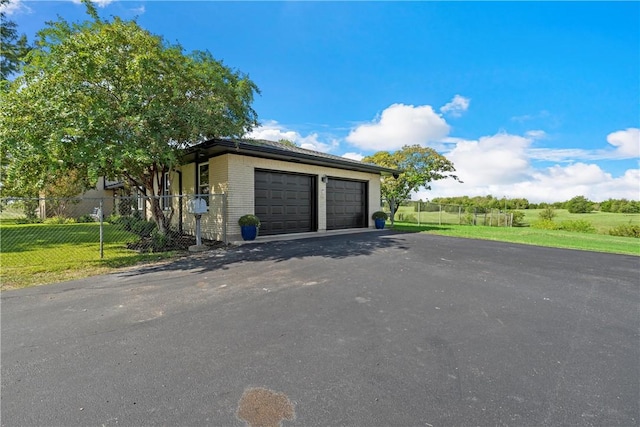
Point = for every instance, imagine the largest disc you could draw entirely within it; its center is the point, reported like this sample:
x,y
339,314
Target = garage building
x,y
291,189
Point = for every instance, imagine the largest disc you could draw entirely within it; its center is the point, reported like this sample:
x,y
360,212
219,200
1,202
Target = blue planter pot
x,y
249,232
379,223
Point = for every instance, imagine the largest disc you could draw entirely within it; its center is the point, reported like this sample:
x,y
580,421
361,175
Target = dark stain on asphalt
x,y
260,407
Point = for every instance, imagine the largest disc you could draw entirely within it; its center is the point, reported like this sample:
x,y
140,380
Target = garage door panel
x,y
346,204
287,206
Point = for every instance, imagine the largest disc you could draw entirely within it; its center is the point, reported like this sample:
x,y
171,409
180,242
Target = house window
x,y
166,192
203,182
140,196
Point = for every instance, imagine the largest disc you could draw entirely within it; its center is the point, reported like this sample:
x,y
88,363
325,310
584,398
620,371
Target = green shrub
x,y
159,241
580,226
28,221
380,215
85,218
517,219
545,224
547,214
59,220
126,205
468,218
249,220
626,230
112,219
141,227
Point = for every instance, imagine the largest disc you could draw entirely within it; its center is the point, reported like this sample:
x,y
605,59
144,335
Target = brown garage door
x,y
284,202
346,204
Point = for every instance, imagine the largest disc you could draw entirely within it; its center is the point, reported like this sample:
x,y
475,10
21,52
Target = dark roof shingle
x,y
281,151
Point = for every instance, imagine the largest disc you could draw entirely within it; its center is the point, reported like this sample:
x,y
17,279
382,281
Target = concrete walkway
x,y
298,236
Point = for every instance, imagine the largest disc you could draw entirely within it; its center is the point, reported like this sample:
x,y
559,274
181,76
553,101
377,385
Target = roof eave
x,y
229,146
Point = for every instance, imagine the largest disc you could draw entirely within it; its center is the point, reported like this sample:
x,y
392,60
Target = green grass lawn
x,y
601,221
32,254
532,236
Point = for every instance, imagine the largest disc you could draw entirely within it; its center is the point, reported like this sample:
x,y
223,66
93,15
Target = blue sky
x,y
529,99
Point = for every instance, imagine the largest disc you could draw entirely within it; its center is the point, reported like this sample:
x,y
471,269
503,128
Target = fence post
x,y
440,215
101,212
419,203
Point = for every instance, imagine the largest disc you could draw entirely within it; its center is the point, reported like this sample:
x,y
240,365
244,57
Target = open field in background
x,y
602,221
532,236
34,254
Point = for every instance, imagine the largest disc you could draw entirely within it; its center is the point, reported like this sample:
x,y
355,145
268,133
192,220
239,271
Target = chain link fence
x,y
44,233
419,213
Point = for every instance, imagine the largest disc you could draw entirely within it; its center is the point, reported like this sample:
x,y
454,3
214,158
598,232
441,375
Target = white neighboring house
x,y
89,201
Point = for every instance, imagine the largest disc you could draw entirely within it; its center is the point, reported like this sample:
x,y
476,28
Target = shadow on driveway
x,y
333,247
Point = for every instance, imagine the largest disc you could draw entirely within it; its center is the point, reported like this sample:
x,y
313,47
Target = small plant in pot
x,y
379,217
249,225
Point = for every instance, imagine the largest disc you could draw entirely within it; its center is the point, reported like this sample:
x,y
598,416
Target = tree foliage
x,y
620,206
419,167
579,204
13,46
484,202
547,214
118,100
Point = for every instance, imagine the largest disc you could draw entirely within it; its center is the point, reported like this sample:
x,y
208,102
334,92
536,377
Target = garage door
x,y
284,202
346,204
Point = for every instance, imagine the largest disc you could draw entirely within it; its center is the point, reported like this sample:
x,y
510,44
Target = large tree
x,y
419,165
118,101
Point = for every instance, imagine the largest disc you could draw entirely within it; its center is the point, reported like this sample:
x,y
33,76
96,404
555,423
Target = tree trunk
x,y
160,217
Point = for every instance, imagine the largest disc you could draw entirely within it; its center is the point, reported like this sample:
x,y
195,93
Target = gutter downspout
x,y
195,172
180,201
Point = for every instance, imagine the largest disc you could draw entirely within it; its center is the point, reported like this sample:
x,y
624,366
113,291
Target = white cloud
x,y
543,114
536,134
99,3
500,165
273,131
14,6
400,125
561,154
627,142
497,159
554,184
458,105
353,156
139,10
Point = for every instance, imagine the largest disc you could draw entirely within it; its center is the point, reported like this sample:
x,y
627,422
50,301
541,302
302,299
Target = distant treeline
x,y
577,204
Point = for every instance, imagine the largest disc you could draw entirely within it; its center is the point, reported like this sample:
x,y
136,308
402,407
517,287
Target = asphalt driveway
x,y
371,329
